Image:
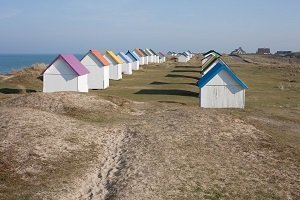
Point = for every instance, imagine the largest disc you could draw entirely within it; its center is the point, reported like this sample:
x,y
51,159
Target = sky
x,y
75,26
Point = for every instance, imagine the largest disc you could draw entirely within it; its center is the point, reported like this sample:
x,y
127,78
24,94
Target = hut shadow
x,y
167,92
187,67
15,91
182,76
164,83
192,71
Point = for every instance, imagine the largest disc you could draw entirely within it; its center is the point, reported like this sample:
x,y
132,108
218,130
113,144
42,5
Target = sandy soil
x,y
153,151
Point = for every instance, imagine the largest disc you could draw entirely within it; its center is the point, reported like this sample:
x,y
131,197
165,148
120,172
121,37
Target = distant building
x,y
238,51
263,51
283,53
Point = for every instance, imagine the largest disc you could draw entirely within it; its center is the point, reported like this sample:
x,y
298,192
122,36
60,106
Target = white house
x,y
156,56
182,58
115,69
150,55
162,57
127,63
221,88
98,66
146,56
65,73
141,56
135,58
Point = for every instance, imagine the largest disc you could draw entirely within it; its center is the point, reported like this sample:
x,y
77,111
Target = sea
x,y
9,62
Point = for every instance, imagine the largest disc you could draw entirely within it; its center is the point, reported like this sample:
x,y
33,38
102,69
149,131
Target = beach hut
x,y
181,58
192,54
127,63
98,66
209,62
156,56
141,56
115,69
211,52
146,56
220,87
135,58
150,55
162,57
65,73
188,55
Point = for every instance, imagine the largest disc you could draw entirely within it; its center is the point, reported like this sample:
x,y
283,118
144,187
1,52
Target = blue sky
x,y
63,26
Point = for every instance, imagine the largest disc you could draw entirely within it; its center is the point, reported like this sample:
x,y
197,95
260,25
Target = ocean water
x,y
9,62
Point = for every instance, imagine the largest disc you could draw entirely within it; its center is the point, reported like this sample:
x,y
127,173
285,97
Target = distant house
x,y
192,54
151,56
98,78
135,58
187,54
171,54
156,56
147,57
65,73
182,58
238,51
127,63
263,51
115,70
283,53
141,56
220,87
162,57
211,52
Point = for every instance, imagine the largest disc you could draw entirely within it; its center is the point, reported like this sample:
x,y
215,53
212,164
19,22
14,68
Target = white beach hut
x,y
135,58
115,69
150,55
127,63
221,88
98,66
156,56
141,56
181,58
162,57
146,56
65,73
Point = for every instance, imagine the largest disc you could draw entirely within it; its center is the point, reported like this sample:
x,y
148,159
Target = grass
x,y
272,102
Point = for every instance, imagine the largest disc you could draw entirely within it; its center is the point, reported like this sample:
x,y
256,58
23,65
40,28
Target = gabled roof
x,y
145,54
114,57
133,55
209,62
149,52
162,54
215,70
189,52
99,57
141,54
125,57
154,52
211,51
181,54
73,63
185,53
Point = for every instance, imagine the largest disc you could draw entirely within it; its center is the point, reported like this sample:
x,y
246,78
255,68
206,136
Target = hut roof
x,y
209,62
73,63
145,54
114,57
211,51
133,55
215,70
125,57
139,52
99,57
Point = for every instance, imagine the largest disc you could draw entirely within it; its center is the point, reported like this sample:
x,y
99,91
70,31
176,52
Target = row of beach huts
x,y
94,70
219,86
